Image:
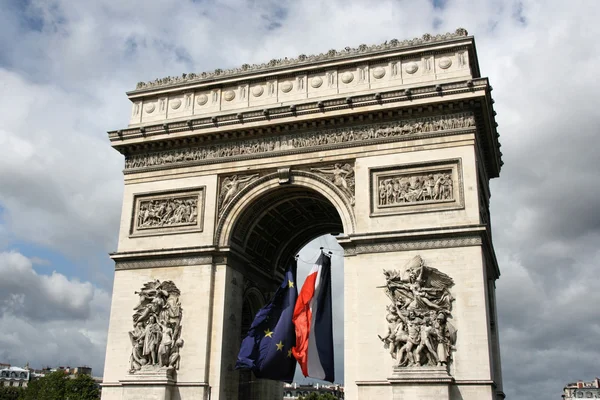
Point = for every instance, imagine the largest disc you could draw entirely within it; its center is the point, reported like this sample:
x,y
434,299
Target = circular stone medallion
x,y
286,86
316,82
411,67
202,99
378,72
445,63
229,95
150,108
175,104
347,77
257,91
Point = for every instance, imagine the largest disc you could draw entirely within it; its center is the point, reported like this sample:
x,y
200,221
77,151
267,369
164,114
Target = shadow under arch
x,y
268,221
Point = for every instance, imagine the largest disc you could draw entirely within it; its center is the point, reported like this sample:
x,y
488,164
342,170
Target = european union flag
x,y
267,349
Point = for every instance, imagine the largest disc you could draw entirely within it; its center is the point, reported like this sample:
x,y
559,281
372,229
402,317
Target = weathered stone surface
x,y
227,176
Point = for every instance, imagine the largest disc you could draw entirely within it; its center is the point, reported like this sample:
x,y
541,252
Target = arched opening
x,y
274,227
267,233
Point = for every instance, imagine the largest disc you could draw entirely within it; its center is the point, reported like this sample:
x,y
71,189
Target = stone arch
x,y
330,208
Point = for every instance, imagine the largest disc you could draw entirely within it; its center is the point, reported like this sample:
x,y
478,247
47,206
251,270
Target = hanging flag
x,y
267,348
312,319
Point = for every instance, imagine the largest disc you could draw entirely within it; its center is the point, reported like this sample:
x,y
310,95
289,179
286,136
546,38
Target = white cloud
x,y
50,319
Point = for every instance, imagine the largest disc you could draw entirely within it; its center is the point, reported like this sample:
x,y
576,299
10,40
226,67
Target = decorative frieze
x,y
156,335
157,213
417,187
336,137
419,333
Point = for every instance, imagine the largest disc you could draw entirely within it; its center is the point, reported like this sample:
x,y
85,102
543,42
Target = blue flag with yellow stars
x,y
267,349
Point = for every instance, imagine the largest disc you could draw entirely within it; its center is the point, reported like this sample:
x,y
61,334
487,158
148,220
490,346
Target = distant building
x,y
14,376
292,391
582,390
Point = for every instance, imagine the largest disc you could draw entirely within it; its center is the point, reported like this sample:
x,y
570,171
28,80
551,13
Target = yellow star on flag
x,y
279,346
268,333
290,284
290,353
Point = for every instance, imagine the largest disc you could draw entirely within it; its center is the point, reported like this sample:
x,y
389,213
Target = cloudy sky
x,y
65,66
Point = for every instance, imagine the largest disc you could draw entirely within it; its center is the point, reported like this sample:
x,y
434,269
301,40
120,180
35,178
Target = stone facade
x,y
228,174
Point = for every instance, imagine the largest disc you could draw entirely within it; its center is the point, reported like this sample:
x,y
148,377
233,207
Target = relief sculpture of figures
x,y
168,212
231,186
397,190
419,332
303,140
155,338
341,176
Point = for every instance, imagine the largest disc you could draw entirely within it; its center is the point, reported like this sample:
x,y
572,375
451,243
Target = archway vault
x,y
268,222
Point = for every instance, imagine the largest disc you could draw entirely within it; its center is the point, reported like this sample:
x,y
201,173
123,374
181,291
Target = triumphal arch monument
x,y
229,173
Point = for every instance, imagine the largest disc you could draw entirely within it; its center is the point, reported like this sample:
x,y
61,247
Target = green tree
x,y
50,387
10,392
82,387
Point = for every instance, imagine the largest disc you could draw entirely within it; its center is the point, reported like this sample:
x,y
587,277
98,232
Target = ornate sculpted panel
x,y
335,137
159,213
342,176
230,186
416,188
419,333
156,335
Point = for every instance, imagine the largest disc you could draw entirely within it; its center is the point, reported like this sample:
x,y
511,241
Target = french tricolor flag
x,y
313,323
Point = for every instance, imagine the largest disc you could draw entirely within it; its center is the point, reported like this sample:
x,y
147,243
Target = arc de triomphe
x,y
229,173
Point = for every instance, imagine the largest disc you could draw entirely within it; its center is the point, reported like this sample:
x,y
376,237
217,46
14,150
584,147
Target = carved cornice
x,y
178,261
302,60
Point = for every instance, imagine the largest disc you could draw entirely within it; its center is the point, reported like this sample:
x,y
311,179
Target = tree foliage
x,y
82,387
59,386
10,392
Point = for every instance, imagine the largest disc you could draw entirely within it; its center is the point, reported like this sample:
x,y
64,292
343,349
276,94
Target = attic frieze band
x,y
276,111
338,137
302,59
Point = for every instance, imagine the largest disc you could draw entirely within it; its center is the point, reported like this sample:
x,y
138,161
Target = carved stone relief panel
x,y
156,335
334,137
419,333
416,188
230,186
168,212
341,175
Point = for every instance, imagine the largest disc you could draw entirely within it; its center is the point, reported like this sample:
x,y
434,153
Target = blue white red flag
x,y
267,348
313,322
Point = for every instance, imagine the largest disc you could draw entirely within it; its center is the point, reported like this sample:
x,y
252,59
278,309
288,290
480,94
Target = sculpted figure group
x,y
168,212
155,338
418,329
334,136
415,188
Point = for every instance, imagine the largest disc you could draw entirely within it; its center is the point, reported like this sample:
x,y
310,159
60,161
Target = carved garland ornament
x,y
302,140
419,333
156,335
